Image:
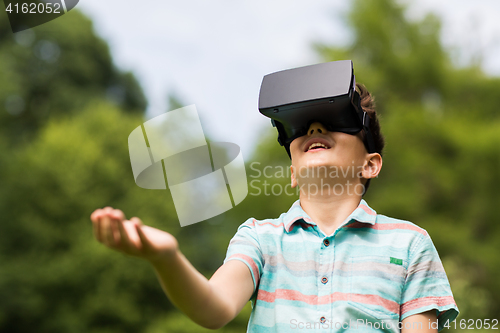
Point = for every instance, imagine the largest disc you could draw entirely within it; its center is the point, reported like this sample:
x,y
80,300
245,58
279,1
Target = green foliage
x,y
440,171
176,322
57,69
57,278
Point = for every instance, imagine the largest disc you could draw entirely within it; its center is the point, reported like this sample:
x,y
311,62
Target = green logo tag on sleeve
x,y
396,261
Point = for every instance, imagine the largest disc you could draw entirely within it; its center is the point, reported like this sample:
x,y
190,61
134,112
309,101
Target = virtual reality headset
x,y
325,93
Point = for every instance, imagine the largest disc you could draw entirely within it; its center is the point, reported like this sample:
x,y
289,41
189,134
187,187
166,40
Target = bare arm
x,y
210,303
420,323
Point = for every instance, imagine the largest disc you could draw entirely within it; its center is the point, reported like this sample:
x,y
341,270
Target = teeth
x,y
317,144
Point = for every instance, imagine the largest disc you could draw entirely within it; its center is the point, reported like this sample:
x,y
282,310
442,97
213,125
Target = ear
x,y
372,166
292,176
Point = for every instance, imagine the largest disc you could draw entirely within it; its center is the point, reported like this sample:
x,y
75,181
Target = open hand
x,y
131,237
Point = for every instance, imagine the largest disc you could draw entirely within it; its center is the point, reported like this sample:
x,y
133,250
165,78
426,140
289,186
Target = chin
x,y
315,169
316,161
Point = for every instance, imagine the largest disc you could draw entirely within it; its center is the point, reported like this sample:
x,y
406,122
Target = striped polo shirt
x,y
369,275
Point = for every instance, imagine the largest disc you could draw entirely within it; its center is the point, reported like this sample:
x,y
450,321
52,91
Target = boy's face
x,y
340,155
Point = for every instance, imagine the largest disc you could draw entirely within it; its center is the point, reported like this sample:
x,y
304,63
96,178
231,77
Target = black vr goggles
x,y
325,93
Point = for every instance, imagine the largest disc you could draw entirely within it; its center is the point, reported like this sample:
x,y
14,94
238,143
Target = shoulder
x,y
389,223
276,224
367,217
402,232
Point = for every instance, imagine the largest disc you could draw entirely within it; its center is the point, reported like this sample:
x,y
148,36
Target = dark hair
x,y
368,105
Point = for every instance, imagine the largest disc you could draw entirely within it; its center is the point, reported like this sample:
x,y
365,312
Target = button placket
x,y
325,271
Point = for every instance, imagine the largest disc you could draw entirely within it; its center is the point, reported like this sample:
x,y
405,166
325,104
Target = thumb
x,y
138,227
136,220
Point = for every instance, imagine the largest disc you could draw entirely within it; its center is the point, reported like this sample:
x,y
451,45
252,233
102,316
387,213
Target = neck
x,y
328,209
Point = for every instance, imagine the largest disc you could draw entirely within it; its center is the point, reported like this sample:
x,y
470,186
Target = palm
x,y
153,243
131,237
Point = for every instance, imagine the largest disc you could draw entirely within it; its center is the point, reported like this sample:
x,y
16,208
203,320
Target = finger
x,y
93,215
115,233
100,223
124,243
98,232
136,220
107,230
95,224
98,214
133,237
117,218
117,214
106,222
144,240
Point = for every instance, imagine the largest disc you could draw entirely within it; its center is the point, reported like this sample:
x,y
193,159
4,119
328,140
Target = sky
x,y
214,53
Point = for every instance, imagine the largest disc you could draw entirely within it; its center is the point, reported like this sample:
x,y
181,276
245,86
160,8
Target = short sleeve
x,y
244,246
426,286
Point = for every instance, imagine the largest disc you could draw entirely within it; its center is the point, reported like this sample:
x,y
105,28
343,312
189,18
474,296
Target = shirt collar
x,y
363,213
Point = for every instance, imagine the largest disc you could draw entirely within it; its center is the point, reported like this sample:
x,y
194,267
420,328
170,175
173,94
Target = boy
x,y
329,264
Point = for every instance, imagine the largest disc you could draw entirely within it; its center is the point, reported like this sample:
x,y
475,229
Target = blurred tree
x,y
440,171
56,69
174,102
55,276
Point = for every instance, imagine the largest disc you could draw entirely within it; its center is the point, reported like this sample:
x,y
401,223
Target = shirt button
x,y
322,320
326,242
324,280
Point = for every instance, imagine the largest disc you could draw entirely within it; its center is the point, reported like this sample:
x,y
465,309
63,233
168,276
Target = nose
x,y
316,127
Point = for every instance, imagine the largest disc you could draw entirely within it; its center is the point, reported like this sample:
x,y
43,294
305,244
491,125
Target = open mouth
x,y
317,145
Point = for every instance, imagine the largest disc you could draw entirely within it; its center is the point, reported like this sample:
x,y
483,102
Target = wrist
x,y
165,258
